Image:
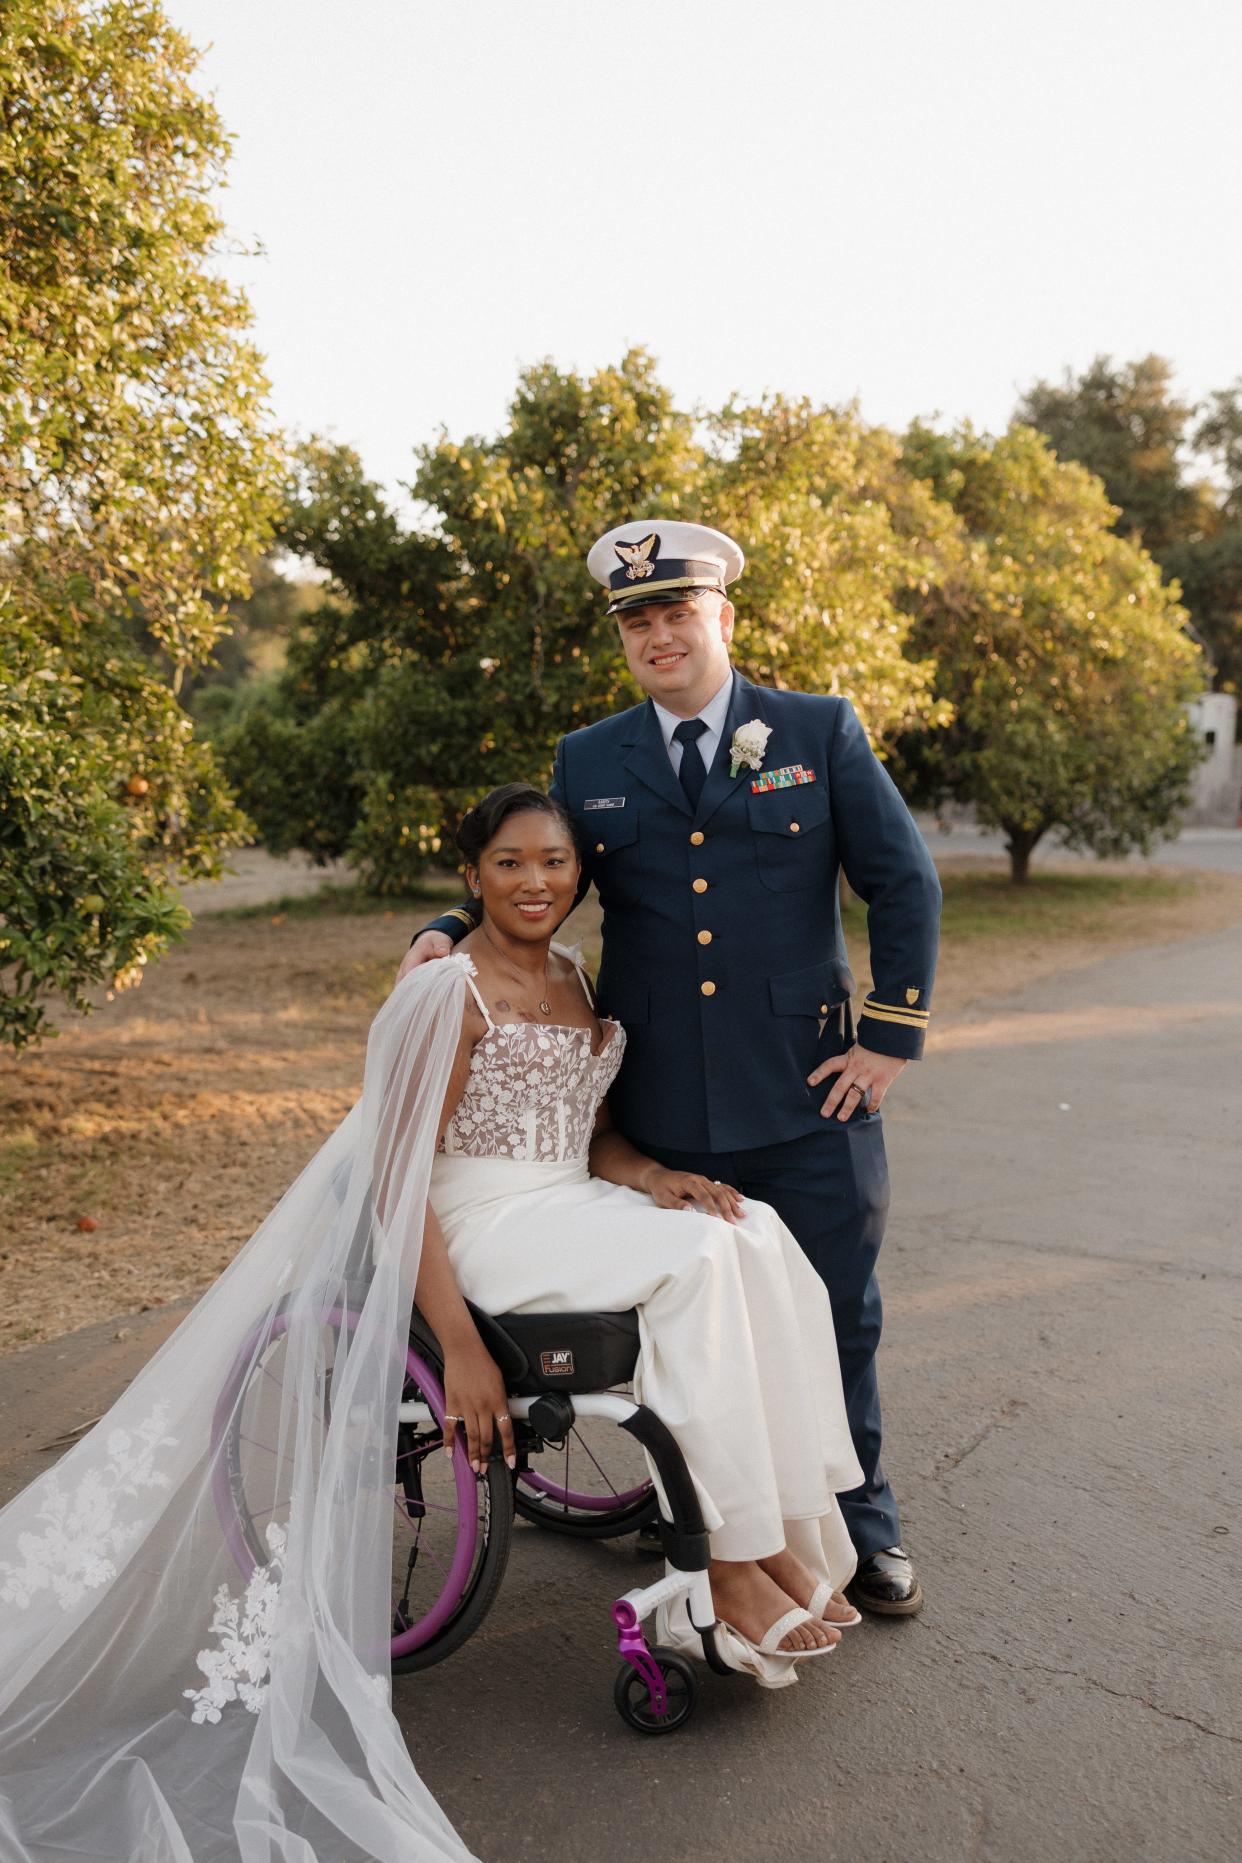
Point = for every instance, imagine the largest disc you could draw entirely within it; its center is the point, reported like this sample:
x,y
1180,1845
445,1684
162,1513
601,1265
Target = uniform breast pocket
x,y
790,832
614,853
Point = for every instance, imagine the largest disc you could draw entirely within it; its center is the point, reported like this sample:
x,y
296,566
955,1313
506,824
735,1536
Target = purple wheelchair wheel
x,y
581,1495
451,1529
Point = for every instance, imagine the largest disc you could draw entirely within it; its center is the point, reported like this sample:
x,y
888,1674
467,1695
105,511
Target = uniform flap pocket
x,y
788,812
603,831
813,991
626,999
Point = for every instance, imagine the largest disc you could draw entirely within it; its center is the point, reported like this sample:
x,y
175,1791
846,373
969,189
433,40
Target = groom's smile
x,y
679,651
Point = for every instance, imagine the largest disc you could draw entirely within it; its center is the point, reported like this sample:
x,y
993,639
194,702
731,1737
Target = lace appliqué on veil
x,y
86,1528
238,1669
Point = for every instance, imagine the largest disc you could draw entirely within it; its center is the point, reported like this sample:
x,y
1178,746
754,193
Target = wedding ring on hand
x,y
856,1086
501,1416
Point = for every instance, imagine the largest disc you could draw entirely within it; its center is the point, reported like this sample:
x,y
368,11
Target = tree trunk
x,y
1020,846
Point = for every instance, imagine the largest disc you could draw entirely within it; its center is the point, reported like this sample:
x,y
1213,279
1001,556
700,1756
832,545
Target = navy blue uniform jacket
x,y
723,953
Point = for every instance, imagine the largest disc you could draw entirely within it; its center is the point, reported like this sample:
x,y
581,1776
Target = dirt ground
x,y
174,1117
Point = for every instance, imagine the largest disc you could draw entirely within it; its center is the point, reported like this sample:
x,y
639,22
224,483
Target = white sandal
x,y
768,1644
821,1597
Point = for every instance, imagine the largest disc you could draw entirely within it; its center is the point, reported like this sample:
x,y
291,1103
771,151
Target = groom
x,y
716,820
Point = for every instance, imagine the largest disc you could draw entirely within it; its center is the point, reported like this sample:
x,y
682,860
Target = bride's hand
x,y
474,1395
682,1190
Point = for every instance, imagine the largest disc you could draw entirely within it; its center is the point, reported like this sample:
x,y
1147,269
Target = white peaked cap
x,y
656,559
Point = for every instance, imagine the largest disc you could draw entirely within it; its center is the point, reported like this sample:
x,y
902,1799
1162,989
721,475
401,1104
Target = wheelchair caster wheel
x,y
633,1697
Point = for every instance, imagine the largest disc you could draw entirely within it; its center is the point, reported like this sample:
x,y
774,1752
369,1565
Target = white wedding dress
x,y
738,1355
163,1700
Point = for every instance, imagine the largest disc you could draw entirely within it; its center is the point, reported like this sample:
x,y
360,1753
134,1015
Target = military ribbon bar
x,y
790,777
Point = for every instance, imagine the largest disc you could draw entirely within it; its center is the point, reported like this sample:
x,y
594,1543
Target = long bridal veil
x,y
181,1688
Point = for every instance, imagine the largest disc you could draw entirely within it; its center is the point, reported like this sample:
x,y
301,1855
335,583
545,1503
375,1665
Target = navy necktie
x,y
693,770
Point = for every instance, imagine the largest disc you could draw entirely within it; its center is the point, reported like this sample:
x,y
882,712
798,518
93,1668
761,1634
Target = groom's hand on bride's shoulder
x,y
428,944
862,1079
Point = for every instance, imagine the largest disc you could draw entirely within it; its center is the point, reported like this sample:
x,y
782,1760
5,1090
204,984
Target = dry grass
x,y
177,1114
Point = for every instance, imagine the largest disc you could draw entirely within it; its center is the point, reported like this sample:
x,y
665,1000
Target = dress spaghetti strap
x,y
575,957
491,1026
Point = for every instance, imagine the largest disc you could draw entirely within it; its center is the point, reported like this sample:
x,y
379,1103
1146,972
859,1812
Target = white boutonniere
x,y
750,742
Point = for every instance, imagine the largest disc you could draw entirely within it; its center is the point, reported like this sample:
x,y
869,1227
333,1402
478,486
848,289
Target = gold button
x,y
705,937
708,989
823,1009
696,839
700,886
794,828
599,847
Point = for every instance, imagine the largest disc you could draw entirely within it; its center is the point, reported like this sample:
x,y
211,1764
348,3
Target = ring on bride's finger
x,y
502,1416
450,1418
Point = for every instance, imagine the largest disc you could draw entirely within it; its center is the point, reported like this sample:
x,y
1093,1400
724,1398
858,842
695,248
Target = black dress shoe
x,y
887,1584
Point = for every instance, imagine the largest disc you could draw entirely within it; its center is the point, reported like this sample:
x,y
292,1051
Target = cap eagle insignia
x,y
636,557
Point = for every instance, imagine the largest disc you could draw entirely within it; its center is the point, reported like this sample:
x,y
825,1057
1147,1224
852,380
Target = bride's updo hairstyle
x,y
481,824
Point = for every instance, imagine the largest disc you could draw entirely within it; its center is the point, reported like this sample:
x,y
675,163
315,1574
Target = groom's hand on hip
x,y
428,944
862,1079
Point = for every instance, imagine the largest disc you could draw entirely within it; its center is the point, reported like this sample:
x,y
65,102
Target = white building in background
x,y
1216,798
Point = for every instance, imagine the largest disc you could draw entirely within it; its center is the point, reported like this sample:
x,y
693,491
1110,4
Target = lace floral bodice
x,y
533,1090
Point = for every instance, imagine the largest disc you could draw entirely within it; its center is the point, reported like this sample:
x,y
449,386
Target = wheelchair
x,y
452,1528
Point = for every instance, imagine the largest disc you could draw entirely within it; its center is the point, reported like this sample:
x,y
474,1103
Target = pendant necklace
x,y
545,1007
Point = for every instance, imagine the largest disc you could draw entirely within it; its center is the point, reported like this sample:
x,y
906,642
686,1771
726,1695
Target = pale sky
x,y
920,205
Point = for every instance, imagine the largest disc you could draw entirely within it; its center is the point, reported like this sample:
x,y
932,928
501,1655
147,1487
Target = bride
x,y
155,1706
540,1204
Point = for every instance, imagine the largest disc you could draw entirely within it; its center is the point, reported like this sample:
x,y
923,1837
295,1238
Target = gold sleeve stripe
x,y
889,1015
455,912
897,1009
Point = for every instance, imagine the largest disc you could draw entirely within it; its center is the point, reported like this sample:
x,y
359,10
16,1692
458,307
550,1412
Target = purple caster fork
x,y
655,1690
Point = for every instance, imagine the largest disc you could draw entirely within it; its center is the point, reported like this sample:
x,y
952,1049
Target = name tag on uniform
x,y
604,802
792,776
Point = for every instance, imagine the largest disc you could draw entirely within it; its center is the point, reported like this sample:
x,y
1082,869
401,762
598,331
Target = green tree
x,y
1175,473
451,658
841,546
1125,424
448,659
1063,655
137,475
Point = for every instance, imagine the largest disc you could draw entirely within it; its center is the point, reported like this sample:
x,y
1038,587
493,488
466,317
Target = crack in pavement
x,y
1091,1681
955,1457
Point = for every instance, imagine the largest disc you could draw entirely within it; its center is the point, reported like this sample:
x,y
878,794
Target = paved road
x,y
1218,848
1061,1368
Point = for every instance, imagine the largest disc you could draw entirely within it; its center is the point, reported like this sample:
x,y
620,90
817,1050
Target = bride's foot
x,y
751,1601
800,1582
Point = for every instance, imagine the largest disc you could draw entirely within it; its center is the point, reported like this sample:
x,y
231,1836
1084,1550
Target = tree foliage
x,y
451,658
842,545
1175,472
1060,649
136,482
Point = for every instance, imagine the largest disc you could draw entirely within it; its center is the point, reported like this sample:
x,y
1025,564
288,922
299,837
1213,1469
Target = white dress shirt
x,y
713,715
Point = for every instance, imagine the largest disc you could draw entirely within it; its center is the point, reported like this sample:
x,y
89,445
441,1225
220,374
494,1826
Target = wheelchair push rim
x,y
465,1509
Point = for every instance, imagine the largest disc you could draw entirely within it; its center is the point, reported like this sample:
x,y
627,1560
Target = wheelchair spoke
x,y
599,1471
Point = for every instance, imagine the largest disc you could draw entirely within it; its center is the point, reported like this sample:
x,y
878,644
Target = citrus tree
x,y
137,481
1063,654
